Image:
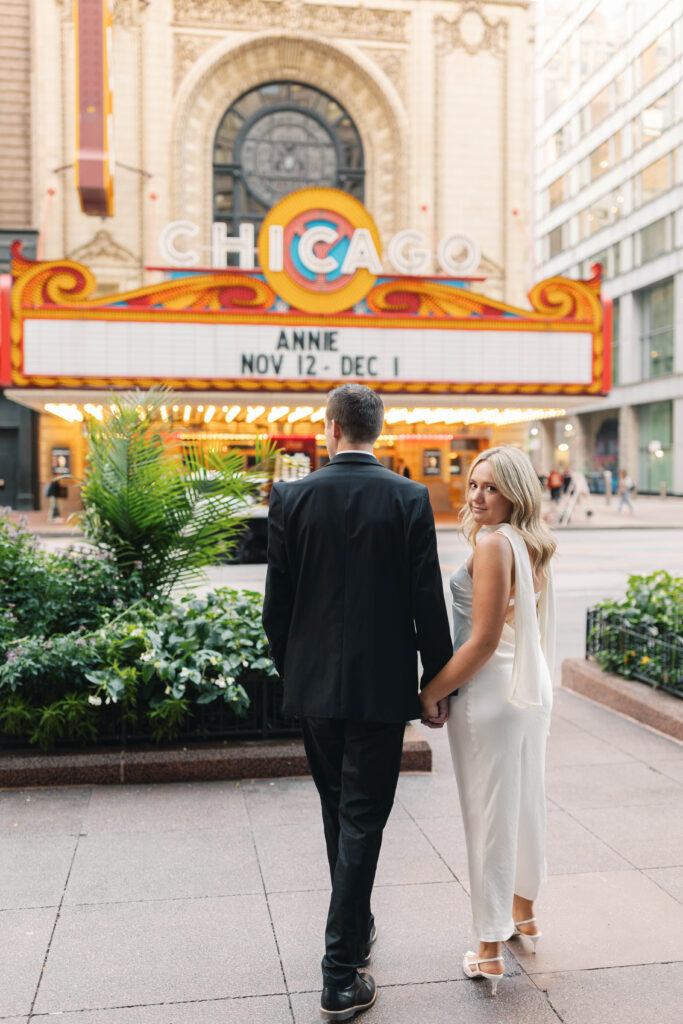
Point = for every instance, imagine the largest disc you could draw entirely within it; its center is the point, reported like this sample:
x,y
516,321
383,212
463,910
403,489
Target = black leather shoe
x,y
345,1003
368,949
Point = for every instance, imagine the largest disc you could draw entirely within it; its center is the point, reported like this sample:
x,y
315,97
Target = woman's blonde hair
x,y
516,479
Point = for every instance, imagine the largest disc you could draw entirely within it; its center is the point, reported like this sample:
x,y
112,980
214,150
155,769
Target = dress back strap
x,y
530,661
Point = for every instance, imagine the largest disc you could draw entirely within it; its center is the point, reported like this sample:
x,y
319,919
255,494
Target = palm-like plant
x,y
162,514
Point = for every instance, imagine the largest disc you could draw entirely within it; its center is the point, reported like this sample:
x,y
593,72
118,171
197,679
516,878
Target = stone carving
x,y
392,63
186,50
127,12
295,15
471,31
102,248
124,12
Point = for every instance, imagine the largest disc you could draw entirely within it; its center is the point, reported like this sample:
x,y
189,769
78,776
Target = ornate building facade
x,y
420,109
433,88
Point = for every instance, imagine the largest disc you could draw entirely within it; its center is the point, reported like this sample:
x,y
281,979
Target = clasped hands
x,y
434,714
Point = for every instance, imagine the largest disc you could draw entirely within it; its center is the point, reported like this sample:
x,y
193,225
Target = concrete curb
x,y
659,710
266,759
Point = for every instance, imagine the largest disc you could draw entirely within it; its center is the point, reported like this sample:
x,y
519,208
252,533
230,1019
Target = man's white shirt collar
x,y
356,451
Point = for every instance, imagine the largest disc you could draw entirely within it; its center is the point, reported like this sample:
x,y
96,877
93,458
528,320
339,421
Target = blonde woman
x,y
503,609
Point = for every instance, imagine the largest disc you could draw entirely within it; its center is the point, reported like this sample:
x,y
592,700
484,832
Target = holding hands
x,y
434,713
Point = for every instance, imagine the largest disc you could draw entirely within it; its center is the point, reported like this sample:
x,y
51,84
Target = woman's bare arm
x,y
491,580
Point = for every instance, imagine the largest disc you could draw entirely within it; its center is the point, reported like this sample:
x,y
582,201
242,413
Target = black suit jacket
x,y
353,591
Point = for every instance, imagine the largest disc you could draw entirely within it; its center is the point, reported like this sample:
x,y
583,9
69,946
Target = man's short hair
x,y
358,410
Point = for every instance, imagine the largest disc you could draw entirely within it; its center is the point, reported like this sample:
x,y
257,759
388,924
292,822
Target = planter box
x,y
262,759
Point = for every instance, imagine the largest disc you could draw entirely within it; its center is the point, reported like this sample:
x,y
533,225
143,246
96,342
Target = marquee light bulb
x,y
301,413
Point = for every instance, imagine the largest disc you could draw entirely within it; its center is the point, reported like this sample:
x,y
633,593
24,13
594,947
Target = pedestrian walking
x,y
52,493
625,487
555,484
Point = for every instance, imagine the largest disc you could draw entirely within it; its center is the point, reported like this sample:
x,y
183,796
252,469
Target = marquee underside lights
x,y
262,417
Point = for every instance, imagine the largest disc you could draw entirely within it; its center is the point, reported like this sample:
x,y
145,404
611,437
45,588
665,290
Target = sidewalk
x,y
650,513
205,903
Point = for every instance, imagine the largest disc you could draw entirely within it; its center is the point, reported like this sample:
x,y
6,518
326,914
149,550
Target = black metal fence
x,y
635,652
263,719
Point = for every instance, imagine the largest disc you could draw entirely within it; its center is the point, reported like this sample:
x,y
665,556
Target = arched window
x,y
275,139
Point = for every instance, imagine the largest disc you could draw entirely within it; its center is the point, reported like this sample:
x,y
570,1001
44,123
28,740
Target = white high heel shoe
x,y
533,939
475,971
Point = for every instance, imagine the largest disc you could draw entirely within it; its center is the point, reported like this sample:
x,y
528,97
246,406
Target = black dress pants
x,y
355,767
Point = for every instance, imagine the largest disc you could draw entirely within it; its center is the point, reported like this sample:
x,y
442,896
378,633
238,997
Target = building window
x,y
556,241
655,444
653,120
600,160
656,308
655,58
599,107
616,259
601,35
654,179
556,192
654,240
616,325
605,211
278,138
557,80
555,146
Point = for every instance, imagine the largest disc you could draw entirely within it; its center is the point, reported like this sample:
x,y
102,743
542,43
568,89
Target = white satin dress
x,y
497,728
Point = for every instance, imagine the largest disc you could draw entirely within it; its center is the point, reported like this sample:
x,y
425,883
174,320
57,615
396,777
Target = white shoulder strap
x,y
529,667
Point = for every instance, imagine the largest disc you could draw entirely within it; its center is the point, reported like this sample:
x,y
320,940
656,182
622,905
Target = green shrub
x,y
640,637
155,665
44,594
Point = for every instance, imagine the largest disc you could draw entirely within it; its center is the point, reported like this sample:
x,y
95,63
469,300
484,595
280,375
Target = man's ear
x,y
336,430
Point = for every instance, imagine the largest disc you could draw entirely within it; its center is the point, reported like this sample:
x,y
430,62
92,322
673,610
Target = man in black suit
x,y
353,592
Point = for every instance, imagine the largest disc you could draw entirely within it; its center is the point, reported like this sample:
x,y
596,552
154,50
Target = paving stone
x,y
43,811
33,871
165,951
459,1002
263,1010
572,848
27,934
610,785
407,857
447,836
288,801
646,836
652,994
609,919
620,732
166,807
669,879
282,802
568,744
423,932
163,865
429,796
293,857
674,769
